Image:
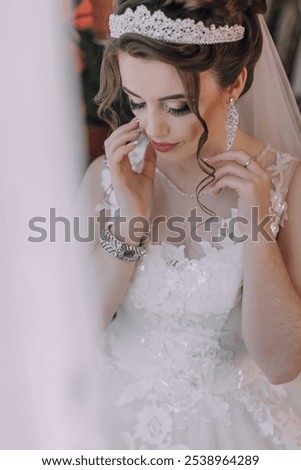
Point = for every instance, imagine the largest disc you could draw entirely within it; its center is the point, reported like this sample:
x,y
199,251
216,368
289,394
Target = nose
x,y
155,125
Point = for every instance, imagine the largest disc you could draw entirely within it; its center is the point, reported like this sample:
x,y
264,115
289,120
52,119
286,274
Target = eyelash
x,y
173,111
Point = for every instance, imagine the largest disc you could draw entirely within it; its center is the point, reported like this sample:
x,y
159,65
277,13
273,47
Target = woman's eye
x,y
179,111
135,106
182,111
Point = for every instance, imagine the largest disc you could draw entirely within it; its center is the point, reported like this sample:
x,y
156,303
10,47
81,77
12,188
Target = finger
x,y
123,139
238,184
239,157
234,170
131,126
150,159
122,152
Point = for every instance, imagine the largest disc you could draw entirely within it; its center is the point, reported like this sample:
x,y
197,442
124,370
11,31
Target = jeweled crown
x,y
159,26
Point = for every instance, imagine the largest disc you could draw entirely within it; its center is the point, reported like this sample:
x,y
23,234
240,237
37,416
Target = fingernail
x,y
215,191
135,119
132,144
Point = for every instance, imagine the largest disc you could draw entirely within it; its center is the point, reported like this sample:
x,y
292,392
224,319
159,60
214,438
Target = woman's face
x,y
157,97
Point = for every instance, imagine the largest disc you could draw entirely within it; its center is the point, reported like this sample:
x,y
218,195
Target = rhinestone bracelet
x,y
121,250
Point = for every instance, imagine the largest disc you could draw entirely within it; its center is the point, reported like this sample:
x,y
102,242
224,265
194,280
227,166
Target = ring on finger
x,y
249,162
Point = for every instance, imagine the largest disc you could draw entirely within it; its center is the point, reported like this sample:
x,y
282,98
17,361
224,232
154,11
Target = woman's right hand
x,y
133,191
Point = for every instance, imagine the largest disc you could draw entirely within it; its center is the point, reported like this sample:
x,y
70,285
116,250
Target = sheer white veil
x,y
48,395
269,110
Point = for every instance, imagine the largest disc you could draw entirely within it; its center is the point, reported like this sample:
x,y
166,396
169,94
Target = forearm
x,y
271,314
110,278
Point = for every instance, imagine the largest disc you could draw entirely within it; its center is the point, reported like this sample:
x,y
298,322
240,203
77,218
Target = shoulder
x,y
281,165
94,170
276,160
294,190
91,190
288,239
94,174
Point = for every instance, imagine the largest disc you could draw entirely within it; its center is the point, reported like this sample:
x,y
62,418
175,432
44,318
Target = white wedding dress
x,y
173,362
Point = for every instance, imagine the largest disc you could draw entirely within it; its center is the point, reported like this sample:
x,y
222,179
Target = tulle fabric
x,y
46,360
269,110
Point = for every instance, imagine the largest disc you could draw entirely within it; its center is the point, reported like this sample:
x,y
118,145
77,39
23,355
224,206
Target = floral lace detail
x,y
166,283
175,352
278,205
110,202
270,410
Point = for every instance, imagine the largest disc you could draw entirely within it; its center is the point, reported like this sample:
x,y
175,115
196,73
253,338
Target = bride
x,y
198,275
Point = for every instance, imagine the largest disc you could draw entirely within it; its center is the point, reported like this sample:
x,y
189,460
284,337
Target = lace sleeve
x,y
282,170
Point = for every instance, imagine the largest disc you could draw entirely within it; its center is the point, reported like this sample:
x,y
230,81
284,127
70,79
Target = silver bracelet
x,y
121,250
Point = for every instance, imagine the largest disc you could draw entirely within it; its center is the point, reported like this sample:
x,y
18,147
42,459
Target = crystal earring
x,y
231,123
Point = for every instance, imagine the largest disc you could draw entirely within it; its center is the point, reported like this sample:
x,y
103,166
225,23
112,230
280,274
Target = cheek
x,y
194,131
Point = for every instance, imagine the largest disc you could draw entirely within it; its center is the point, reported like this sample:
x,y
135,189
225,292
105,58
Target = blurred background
x,y
91,26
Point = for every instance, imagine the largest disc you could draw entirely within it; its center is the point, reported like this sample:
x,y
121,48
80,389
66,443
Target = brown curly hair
x,y
225,61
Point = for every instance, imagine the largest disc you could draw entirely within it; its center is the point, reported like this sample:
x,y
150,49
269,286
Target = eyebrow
x,y
164,98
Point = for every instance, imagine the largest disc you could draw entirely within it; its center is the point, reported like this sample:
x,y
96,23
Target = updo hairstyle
x,y
225,61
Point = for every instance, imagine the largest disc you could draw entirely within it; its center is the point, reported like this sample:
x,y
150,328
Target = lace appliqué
x,y
110,202
278,205
173,353
167,284
270,411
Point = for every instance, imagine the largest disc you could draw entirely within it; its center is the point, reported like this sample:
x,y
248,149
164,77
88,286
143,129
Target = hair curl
x,y
226,60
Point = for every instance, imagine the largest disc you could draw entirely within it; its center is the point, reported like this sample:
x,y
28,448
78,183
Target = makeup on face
x,y
157,97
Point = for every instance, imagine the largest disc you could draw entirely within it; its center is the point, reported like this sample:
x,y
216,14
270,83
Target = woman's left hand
x,y
244,174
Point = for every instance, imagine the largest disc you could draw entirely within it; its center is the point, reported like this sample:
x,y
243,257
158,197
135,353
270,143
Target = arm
x,y
271,320
109,277
271,309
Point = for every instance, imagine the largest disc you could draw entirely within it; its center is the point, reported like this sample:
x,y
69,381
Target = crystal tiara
x,y
159,26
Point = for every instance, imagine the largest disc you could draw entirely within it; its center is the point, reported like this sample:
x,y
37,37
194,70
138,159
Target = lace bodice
x,y
168,285
178,336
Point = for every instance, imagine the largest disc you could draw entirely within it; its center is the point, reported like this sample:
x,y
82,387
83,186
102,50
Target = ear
x,y
237,87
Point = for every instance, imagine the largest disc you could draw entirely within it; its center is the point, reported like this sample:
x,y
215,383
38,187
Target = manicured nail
x,y
137,131
132,144
215,191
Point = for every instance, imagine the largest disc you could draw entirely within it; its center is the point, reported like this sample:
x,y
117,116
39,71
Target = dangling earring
x,y
231,123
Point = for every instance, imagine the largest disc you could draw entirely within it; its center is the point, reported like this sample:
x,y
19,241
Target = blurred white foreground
x,y
47,396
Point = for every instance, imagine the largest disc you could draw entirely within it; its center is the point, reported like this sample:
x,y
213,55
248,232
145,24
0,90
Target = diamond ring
x,y
249,162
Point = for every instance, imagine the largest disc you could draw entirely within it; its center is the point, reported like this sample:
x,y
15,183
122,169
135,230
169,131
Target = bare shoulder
x,y
91,191
293,197
93,172
296,180
289,235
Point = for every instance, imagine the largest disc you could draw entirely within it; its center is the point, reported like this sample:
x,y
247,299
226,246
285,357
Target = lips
x,y
163,146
